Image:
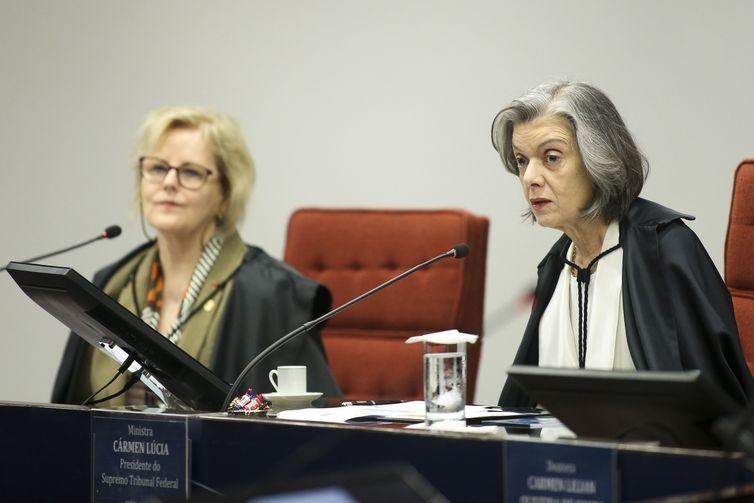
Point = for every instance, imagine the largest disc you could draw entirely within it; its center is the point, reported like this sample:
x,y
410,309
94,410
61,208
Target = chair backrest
x,y
353,250
739,259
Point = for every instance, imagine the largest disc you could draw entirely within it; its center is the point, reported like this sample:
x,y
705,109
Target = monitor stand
x,y
151,382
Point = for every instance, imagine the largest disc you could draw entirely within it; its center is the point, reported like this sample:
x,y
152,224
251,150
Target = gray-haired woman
x,y
628,285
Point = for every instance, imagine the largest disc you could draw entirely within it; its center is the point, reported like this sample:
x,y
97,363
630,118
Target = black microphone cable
x,y
132,379
124,366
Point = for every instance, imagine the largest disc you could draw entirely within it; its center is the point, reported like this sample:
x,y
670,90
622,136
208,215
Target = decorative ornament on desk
x,y
249,403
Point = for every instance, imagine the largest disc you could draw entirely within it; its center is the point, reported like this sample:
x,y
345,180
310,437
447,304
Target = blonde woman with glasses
x,y
197,283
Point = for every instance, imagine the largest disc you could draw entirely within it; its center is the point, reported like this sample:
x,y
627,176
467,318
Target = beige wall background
x,y
348,103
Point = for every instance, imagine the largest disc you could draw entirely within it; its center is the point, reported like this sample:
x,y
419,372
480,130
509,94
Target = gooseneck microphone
x,y
458,251
111,232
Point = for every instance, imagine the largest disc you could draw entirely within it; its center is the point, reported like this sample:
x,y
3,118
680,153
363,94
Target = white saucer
x,y
281,402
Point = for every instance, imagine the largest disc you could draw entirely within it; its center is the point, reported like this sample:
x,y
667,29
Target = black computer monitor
x,y
107,325
673,408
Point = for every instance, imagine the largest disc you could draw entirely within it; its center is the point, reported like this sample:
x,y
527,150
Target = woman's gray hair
x,y
613,162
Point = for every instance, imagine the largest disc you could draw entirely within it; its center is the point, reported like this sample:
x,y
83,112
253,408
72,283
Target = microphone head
x,y
112,232
461,250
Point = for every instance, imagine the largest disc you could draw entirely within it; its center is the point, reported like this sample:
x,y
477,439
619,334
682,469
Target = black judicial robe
x,y
268,299
678,312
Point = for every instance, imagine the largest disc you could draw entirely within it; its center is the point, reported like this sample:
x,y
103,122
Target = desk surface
x,y
52,443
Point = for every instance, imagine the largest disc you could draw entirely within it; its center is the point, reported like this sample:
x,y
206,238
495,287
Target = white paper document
x,y
409,412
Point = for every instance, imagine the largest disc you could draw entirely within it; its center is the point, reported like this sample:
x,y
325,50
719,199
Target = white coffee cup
x,y
289,379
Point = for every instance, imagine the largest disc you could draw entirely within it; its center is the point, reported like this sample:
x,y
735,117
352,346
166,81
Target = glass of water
x,y
445,382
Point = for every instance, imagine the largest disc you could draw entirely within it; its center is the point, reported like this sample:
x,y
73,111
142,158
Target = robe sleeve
x,y
703,312
268,300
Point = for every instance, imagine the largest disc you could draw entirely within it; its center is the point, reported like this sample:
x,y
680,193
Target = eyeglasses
x,y
190,176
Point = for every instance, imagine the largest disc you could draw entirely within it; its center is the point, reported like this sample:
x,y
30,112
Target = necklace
x,y
573,259
592,265
583,275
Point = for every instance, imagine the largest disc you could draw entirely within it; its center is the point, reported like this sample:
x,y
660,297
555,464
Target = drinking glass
x,y
445,382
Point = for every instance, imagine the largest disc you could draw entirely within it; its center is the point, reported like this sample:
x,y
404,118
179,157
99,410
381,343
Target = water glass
x,y
445,382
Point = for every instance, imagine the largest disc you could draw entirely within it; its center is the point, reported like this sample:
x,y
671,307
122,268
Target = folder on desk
x,y
175,376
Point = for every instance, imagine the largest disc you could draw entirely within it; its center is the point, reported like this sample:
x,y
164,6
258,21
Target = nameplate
x,y
554,473
137,459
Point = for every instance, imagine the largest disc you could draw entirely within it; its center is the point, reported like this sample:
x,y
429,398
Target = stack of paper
x,y
404,412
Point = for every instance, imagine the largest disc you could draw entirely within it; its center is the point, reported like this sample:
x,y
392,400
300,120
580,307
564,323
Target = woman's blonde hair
x,y
226,143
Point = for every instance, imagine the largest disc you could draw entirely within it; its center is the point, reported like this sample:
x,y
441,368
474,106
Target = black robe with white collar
x,y
677,309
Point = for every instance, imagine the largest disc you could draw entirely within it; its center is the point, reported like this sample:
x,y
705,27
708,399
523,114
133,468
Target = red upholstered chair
x,y
352,251
739,263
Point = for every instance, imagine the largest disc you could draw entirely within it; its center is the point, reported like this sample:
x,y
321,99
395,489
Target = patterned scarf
x,y
151,312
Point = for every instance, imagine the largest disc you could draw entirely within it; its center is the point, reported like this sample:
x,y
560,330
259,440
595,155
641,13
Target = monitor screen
x,y
673,408
110,327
